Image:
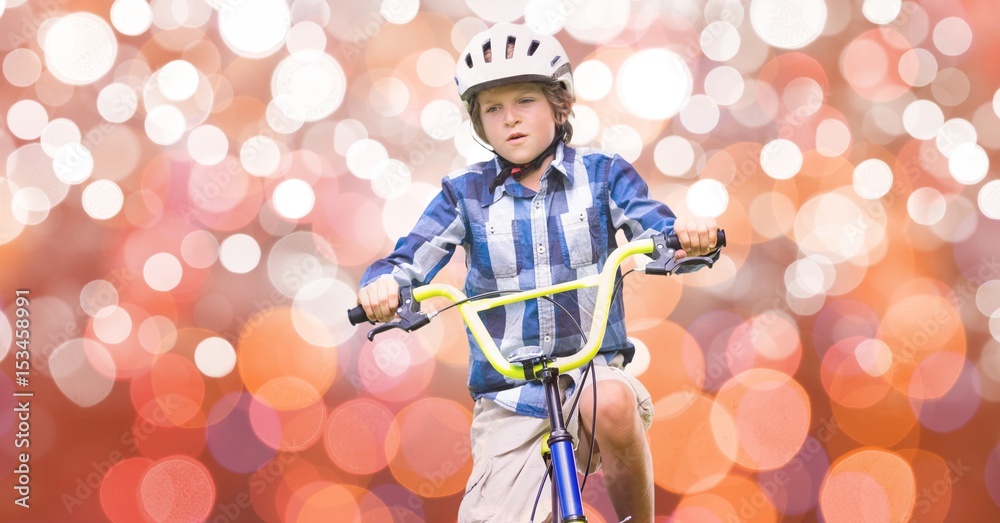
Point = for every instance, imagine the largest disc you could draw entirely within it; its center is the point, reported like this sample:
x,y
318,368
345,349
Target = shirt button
x,y
541,249
547,338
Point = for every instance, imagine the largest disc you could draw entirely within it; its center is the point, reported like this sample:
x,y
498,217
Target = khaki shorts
x,y
507,460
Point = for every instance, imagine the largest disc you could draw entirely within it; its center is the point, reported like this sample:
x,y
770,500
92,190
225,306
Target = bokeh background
x,y
191,189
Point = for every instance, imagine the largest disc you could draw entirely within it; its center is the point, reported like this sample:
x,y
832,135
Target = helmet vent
x,y
506,54
487,52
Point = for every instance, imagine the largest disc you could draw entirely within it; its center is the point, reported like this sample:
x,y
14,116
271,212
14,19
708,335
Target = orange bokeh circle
x,y
319,501
430,449
298,408
869,484
917,328
120,490
679,365
270,348
356,434
883,423
935,478
761,418
870,64
686,457
770,340
177,378
175,489
846,381
735,498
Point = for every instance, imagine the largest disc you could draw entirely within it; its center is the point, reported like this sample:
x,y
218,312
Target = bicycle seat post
x,y
564,478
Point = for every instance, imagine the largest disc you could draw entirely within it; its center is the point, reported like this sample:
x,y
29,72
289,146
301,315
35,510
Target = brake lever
x,y
378,329
681,266
664,262
410,317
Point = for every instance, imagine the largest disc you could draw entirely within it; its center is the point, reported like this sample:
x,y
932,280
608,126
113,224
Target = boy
x,y
539,213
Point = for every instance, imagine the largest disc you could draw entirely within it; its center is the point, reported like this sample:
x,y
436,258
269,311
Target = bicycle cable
x,y
569,415
593,422
488,294
583,378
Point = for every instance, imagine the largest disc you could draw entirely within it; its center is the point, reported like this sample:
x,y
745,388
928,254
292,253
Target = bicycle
x,y
567,503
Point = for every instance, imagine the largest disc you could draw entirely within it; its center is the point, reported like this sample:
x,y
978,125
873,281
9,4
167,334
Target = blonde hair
x,y
559,100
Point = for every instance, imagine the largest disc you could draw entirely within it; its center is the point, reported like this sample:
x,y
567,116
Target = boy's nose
x,y
511,117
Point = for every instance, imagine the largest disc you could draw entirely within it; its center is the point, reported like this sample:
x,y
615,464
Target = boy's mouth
x,y
515,137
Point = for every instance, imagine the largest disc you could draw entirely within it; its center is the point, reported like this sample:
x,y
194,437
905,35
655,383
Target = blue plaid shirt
x,y
515,238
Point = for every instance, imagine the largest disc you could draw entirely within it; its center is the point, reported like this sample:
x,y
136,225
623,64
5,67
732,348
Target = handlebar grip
x,y
675,244
357,315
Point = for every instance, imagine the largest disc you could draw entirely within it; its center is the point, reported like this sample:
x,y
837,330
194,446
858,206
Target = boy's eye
x,y
526,100
491,109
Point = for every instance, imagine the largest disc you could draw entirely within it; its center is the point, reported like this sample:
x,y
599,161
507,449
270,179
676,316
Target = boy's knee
x,y
616,408
615,394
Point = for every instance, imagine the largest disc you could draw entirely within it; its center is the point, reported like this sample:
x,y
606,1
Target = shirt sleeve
x,y
632,210
419,256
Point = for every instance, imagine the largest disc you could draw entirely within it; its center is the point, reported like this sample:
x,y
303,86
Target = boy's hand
x,y
698,236
380,299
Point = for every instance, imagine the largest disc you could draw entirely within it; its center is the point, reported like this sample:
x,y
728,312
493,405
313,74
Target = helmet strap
x,y
520,170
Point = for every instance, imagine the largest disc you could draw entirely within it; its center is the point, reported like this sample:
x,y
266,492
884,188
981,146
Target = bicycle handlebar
x,y
357,315
661,247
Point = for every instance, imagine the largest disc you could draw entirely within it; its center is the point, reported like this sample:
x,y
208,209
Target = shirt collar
x,y
562,163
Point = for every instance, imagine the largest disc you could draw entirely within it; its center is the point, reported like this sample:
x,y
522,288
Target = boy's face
x,y
518,121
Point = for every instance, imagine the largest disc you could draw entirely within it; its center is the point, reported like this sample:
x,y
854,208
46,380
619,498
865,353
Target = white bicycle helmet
x,y
510,53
